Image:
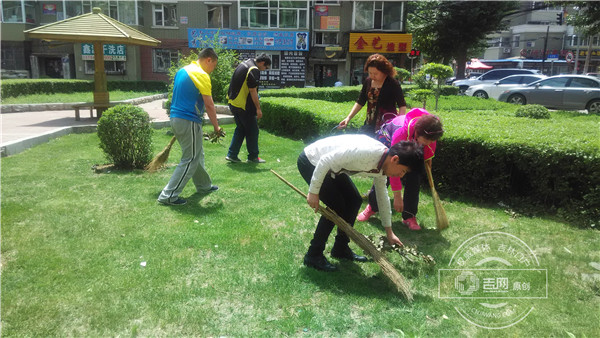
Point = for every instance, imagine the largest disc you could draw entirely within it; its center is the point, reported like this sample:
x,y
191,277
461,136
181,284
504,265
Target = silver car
x,y
493,90
569,92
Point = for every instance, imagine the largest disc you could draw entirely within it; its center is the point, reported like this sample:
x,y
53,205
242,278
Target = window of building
x,y
274,14
110,67
18,11
516,40
326,38
165,15
218,16
126,11
275,58
163,59
384,15
327,2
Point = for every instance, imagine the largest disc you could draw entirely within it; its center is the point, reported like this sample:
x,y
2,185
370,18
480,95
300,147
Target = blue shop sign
x,y
246,39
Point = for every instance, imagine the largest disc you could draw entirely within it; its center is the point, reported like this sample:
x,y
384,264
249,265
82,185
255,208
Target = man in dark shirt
x,y
244,105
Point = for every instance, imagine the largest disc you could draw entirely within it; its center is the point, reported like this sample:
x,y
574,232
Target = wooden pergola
x,y
98,29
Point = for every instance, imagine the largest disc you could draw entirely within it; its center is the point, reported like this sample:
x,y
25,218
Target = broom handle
x,y
429,177
289,184
171,142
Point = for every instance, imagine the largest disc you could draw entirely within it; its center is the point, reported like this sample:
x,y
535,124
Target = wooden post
x,y
101,98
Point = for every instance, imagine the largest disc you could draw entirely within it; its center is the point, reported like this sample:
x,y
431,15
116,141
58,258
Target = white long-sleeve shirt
x,y
351,154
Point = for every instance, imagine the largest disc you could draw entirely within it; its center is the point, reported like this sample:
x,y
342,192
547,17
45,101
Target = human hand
x,y
343,124
398,204
313,201
258,113
393,239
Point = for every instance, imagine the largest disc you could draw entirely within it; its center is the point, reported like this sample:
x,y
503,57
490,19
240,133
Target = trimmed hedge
x,y
331,94
14,88
490,155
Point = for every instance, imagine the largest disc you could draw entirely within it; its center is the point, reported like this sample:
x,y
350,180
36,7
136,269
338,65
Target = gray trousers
x,y
189,135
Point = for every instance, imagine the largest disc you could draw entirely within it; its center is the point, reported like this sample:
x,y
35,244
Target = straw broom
x,y
161,158
440,214
364,243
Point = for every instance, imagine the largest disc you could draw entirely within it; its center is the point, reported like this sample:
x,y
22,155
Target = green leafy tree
x,y
402,74
585,15
455,29
440,73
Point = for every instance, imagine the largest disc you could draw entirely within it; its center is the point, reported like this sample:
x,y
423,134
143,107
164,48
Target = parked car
x,y
569,92
493,90
472,75
491,77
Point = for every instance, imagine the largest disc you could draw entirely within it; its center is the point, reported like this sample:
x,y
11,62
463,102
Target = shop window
x,y
163,59
275,58
18,11
110,67
384,15
326,38
218,16
274,14
165,15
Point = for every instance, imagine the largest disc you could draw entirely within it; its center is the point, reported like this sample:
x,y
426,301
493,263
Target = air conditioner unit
x,y
506,50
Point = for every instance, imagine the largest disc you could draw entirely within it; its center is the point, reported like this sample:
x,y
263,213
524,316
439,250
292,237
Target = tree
x,y
440,73
586,17
454,29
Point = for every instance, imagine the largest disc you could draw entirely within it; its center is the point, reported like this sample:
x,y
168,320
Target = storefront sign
x,y
321,10
246,39
330,22
112,52
49,9
379,43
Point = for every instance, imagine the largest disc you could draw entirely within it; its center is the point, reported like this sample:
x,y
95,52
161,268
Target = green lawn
x,y
115,95
230,263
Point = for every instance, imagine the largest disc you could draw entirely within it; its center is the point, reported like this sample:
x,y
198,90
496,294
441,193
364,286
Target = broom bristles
x,y
441,220
161,158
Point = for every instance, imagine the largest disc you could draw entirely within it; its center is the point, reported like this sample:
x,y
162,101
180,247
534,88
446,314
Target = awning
x,y
476,64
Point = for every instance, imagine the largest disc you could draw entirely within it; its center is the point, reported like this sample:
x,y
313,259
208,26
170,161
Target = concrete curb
x,y
18,146
21,108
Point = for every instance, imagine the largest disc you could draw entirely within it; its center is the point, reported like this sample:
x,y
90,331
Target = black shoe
x,y
348,254
179,201
319,263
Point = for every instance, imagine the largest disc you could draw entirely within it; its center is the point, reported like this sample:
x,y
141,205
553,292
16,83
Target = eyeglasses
x,y
433,132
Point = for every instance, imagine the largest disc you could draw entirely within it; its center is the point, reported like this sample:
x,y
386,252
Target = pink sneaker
x,y
411,223
365,214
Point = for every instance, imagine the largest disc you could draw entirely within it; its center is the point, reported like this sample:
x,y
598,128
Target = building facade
x,y
312,43
539,31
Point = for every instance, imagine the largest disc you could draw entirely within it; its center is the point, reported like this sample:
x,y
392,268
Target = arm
x,y
355,109
383,200
211,111
254,96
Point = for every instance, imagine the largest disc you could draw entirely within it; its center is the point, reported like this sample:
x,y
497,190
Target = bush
x,y
545,165
533,111
126,136
14,88
331,94
402,74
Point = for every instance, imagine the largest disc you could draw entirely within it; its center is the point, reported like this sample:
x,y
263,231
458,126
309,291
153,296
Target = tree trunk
x,y
588,56
461,64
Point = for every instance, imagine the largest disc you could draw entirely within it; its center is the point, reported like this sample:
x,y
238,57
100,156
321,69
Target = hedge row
x,y
337,94
14,88
490,155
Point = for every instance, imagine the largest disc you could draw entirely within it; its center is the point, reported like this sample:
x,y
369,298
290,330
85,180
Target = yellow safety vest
x,y
240,100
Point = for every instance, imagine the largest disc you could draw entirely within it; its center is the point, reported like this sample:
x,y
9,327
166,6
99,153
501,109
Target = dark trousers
x,y
340,195
411,182
246,127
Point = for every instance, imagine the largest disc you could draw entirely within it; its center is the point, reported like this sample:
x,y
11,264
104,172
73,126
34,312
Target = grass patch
x,y
115,95
229,263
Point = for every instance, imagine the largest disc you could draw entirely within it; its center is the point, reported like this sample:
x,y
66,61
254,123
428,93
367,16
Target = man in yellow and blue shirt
x,y
192,95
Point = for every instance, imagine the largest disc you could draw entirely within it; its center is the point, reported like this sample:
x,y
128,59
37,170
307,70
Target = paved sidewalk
x,y
20,131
